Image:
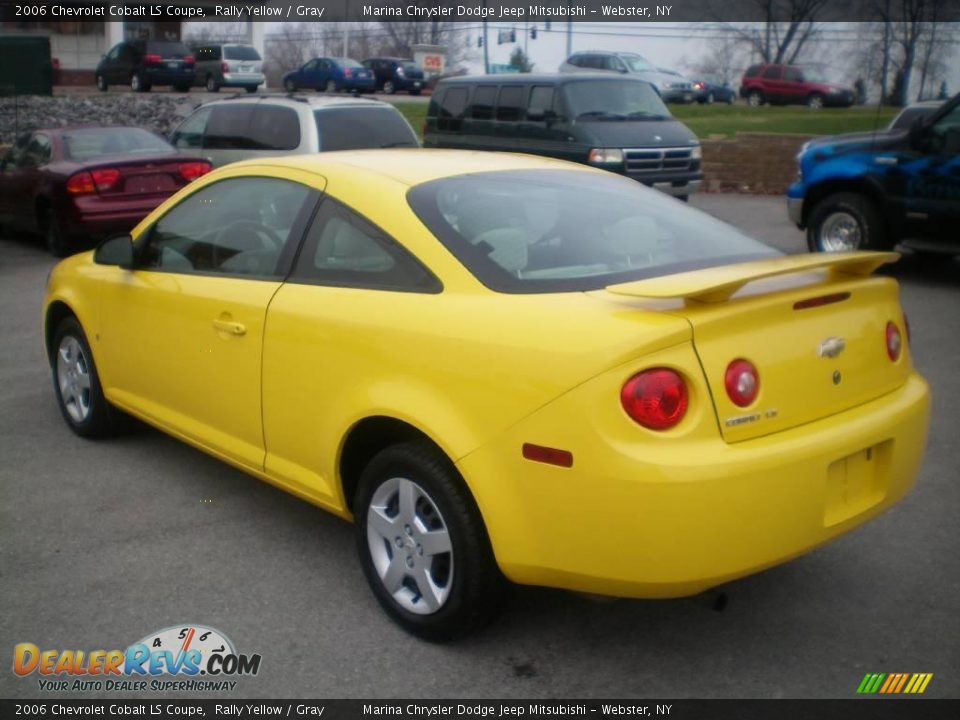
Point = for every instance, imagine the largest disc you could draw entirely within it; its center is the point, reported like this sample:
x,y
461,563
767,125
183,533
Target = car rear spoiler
x,y
714,285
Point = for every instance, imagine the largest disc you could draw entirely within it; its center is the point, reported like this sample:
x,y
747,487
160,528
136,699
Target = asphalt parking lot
x,y
102,543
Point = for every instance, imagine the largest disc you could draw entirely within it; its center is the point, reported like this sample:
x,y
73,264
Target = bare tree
x,y
787,28
401,36
723,60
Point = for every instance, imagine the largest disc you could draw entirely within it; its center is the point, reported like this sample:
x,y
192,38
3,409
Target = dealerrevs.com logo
x,y
183,657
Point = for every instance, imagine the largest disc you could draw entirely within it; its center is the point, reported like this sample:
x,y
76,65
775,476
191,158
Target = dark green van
x,y
614,122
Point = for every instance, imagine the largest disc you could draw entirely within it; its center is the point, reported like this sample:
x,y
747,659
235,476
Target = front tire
x,y
423,545
843,222
754,98
389,88
77,384
290,86
102,85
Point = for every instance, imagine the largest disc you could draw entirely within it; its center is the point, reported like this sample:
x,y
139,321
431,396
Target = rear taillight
x,y
80,183
88,182
347,72
224,68
742,382
656,398
152,59
192,170
188,59
894,342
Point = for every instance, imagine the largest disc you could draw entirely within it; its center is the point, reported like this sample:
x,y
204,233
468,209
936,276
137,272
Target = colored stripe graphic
x,y
894,683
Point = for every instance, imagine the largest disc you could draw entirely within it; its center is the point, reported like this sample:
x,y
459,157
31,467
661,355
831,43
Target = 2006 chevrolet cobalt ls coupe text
x,y
501,367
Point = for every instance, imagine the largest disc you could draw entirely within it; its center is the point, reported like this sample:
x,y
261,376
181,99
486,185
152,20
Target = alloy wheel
x,y
840,232
410,546
73,377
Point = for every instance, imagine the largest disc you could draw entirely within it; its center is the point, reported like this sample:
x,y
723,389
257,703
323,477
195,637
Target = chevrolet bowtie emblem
x,y
831,347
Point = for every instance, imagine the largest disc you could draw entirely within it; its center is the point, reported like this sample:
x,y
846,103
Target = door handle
x,y
228,326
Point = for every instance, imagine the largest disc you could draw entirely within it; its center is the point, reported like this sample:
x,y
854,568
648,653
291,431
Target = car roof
x,y
294,100
537,77
410,167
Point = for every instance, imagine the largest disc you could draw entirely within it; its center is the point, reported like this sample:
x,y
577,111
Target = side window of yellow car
x,y
246,226
344,249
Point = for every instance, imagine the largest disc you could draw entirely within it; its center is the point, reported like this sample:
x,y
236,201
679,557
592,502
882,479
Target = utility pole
x,y
486,43
569,38
346,30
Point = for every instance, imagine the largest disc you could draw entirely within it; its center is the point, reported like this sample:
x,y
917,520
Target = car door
x,y
307,77
20,178
793,88
930,175
109,65
773,83
323,338
182,332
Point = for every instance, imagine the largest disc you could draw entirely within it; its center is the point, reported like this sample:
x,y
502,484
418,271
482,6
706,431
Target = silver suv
x,y
672,88
228,65
241,127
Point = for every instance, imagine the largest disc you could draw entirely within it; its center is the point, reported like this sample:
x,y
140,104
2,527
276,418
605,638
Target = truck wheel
x,y
755,98
843,222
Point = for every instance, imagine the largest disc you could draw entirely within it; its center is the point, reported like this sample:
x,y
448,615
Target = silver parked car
x,y
228,65
240,128
672,87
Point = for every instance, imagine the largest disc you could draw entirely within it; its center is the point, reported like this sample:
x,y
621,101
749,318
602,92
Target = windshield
x,y
94,142
614,99
560,230
637,63
240,52
353,128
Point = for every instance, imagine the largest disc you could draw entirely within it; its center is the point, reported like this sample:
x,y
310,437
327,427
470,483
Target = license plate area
x,y
856,483
145,184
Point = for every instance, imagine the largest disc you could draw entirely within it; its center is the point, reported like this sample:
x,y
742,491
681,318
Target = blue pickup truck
x,y
871,191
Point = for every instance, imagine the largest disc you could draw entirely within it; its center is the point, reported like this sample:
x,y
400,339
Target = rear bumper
x,y
93,216
369,84
675,516
161,76
237,79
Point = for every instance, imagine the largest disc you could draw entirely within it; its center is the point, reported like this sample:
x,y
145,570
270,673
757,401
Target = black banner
x,y
472,11
858,709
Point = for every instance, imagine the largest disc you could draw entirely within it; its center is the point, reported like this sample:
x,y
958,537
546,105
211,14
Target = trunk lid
x,y
817,338
144,176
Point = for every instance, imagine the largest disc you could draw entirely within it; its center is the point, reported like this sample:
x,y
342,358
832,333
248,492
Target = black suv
x,y
141,64
393,74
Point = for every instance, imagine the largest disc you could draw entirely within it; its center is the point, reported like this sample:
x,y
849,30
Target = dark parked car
x,y
808,85
869,191
331,75
80,182
141,64
710,90
228,65
615,122
393,74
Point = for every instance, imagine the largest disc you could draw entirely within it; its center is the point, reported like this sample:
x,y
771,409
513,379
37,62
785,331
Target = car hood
x,y
856,142
638,133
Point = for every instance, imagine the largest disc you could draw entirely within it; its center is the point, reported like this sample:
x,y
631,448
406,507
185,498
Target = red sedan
x,y
75,183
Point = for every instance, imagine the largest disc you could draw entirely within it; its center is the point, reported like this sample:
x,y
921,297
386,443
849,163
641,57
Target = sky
x,y
676,46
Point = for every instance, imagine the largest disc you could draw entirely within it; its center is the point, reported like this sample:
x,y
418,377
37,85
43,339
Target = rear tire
x,y
290,86
815,101
710,98
423,545
212,84
77,384
330,87
102,85
56,241
844,222
389,88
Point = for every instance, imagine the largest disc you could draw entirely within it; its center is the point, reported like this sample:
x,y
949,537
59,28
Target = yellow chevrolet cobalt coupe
x,y
501,368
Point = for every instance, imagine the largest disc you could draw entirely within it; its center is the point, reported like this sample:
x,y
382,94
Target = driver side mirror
x,y
117,250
